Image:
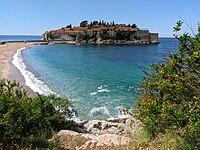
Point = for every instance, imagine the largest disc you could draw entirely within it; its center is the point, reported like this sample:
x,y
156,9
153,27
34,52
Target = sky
x,y
33,17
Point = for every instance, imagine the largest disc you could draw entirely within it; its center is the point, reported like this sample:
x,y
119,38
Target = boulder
x,y
117,120
67,132
89,141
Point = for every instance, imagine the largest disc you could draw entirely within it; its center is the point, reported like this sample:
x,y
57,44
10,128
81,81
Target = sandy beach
x,y
7,69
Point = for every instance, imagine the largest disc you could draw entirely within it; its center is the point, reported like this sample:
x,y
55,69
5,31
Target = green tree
x,y
171,91
84,23
84,36
123,35
104,35
113,23
23,117
52,36
69,26
134,25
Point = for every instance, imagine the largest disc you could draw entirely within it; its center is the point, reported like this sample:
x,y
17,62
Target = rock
x,y
67,132
88,145
112,139
88,136
100,133
101,127
122,126
125,111
117,120
128,122
90,141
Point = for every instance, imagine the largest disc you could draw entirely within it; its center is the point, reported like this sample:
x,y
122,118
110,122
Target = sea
x,y
98,79
19,37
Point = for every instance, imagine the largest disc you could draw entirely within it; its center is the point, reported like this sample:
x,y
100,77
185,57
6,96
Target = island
x,y
102,32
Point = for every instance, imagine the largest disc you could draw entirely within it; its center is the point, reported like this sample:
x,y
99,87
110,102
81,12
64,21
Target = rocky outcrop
x,y
119,126
114,42
80,141
101,134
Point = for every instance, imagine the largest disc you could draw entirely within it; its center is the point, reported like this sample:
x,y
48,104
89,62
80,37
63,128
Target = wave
x,y
93,93
30,79
100,110
103,88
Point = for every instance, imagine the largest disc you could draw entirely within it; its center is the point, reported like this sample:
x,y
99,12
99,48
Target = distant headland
x,y
102,32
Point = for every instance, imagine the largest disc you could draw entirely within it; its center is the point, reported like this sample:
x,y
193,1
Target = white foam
x,y
103,90
93,93
120,87
102,110
30,79
102,86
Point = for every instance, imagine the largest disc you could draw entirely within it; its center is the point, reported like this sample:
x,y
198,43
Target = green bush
x,y
23,118
171,92
104,35
124,35
85,36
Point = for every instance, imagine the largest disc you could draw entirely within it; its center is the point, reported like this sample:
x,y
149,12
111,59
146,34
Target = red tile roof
x,y
94,29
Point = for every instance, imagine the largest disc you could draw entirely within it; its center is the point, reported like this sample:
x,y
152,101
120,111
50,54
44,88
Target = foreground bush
x,y
25,120
171,92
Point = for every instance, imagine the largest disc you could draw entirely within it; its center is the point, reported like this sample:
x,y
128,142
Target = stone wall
x,y
138,37
45,36
153,38
143,35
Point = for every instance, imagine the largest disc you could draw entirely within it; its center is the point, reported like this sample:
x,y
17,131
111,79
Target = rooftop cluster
x,y
96,32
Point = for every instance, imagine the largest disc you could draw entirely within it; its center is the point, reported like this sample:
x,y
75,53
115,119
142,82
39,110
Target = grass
x,y
168,141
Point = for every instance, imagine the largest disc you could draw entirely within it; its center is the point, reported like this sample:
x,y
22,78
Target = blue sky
x,y
33,17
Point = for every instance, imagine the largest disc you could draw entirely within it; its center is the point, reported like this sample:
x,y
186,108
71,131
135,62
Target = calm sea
x,y
19,37
98,79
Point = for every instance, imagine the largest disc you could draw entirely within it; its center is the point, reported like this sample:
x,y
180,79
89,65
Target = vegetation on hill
x,y
52,37
95,24
104,34
170,100
26,121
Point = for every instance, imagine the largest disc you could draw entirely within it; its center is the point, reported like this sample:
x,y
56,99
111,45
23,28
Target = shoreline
x,y
8,70
10,61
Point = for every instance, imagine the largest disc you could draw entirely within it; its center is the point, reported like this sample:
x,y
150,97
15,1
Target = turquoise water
x,y
98,79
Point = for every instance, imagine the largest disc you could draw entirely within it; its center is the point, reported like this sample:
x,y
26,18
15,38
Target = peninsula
x,y
102,32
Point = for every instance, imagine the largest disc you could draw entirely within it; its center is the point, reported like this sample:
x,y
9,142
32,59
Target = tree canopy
x,y
171,91
23,118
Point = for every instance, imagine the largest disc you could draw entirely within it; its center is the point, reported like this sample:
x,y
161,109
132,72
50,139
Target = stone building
x,y
142,36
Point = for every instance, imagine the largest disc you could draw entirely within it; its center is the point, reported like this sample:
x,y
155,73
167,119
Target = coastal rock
x,y
122,126
117,120
68,139
99,127
101,134
67,132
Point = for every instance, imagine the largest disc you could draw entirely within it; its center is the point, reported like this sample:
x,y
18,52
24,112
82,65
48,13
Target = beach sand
x,y
7,69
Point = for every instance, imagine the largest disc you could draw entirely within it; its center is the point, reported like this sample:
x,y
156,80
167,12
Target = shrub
x,y
171,91
85,36
104,35
124,35
23,118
